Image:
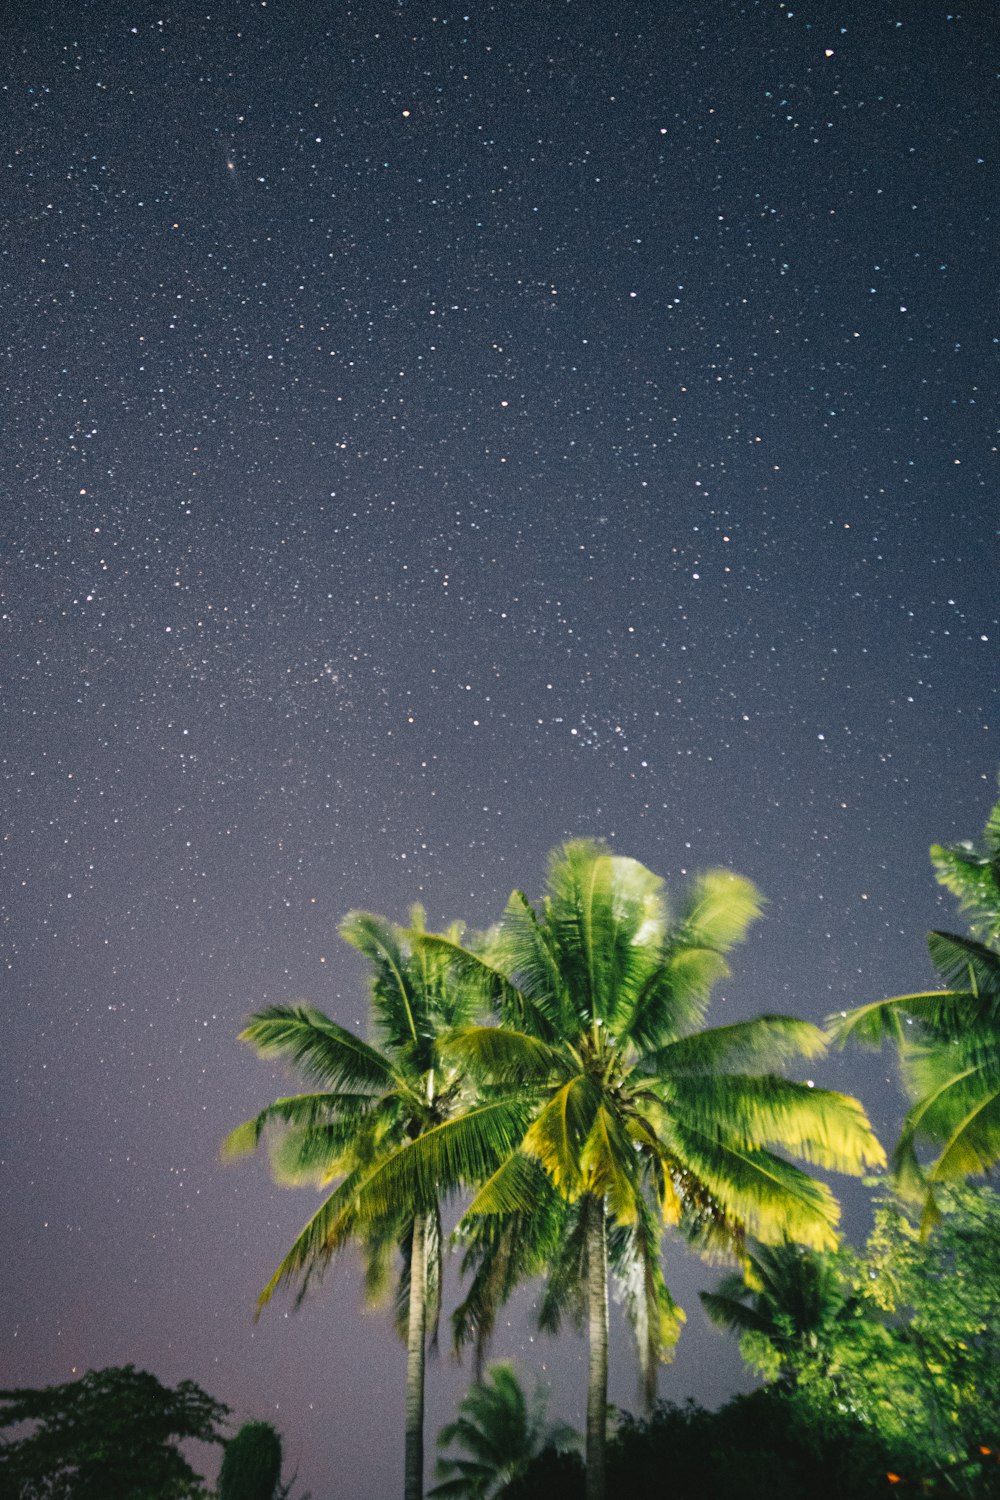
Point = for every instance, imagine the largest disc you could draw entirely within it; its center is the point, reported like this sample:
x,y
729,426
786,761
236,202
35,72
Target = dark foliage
x,y
112,1435
251,1465
551,1476
755,1447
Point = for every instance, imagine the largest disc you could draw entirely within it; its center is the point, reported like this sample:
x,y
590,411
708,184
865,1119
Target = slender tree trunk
x,y
597,1329
413,1483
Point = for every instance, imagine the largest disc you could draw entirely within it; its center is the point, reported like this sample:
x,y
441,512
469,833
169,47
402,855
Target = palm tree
x,y
501,1430
635,1117
370,1099
973,875
793,1297
948,1040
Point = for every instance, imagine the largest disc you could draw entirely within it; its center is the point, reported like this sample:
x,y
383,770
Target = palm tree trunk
x,y
597,1329
413,1483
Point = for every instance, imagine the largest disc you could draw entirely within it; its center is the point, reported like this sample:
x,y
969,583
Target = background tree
x,y
638,1118
789,1307
948,1040
370,1099
251,1464
112,1435
767,1444
501,1431
914,1354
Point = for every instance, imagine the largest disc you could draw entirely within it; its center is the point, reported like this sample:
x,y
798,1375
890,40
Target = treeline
x,y
882,1368
556,1074
558,1071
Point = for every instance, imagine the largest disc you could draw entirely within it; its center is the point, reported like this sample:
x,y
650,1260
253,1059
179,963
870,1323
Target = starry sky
x,y
431,432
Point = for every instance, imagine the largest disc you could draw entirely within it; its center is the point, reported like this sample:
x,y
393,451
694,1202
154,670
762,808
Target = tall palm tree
x,y
371,1098
948,1040
636,1118
501,1430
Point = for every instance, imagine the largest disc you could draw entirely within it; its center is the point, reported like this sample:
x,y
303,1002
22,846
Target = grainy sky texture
x,y
433,431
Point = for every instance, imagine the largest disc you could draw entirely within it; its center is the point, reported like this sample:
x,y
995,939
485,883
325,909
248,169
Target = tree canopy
x,y
114,1434
948,1040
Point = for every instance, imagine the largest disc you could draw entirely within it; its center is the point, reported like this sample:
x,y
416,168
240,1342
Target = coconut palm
x,y
501,1431
948,1040
636,1117
794,1297
370,1098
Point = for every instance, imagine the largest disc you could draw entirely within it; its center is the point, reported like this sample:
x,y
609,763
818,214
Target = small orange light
x,y
893,1478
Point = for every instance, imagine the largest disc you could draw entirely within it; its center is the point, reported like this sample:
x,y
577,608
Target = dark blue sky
x,y
431,433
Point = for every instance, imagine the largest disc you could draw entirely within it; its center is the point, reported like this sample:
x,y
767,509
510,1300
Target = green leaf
x,y
324,1052
400,1007
821,1126
966,965
719,911
498,1055
296,1109
768,1040
556,1136
609,1166
457,1153
770,1197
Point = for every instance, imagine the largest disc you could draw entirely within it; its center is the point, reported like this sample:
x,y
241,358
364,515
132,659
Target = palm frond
x,y
295,1109
771,1197
313,1155
606,914
483,983
458,1152
502,1250
500,1055
654,1316
558,1132
957,1110
965,964
973,875
325,1053
726,1311
519,1185
536,998
325,1233
886,1020
566,1272
718,911
399,1005
610,1168
821,1126
769,1040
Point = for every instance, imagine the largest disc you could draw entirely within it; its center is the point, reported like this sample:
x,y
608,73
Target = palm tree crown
x,y
794,1297
634,1117
501,1430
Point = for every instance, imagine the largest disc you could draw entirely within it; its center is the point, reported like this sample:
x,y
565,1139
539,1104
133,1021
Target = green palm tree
x,y
948,1040
501,1431
370,1098
636,1118
793,1297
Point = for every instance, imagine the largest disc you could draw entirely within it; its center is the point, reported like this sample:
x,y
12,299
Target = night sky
x,y
431,432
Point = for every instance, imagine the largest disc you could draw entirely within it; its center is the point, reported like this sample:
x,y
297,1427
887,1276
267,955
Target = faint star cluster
x,y
429,437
